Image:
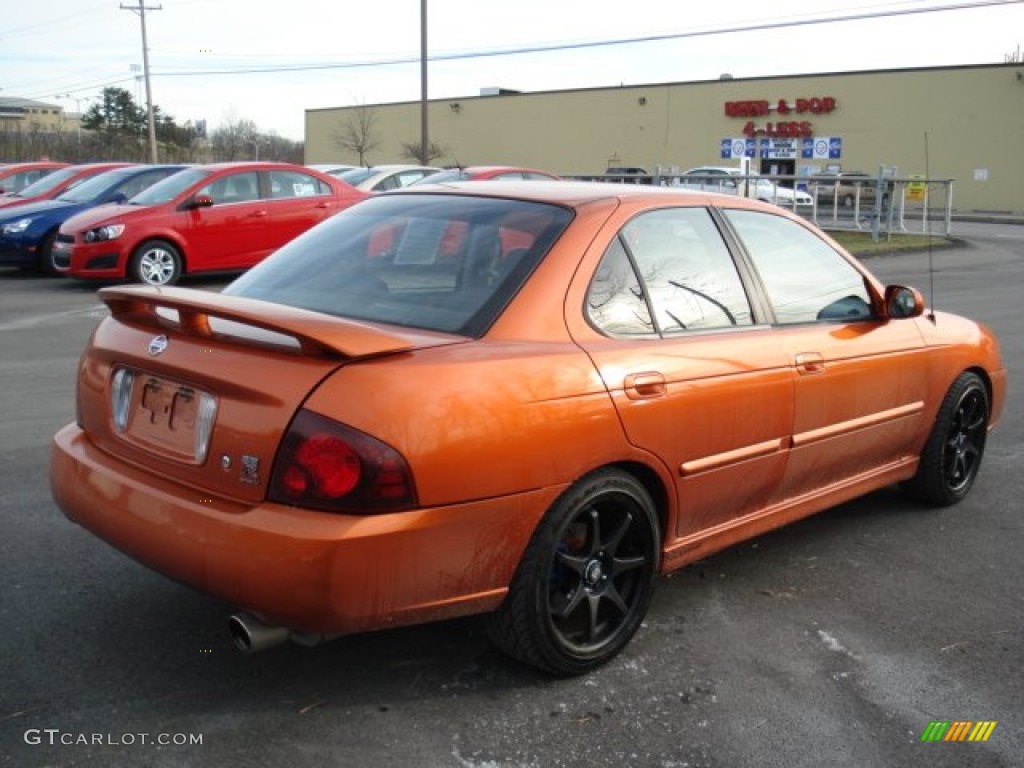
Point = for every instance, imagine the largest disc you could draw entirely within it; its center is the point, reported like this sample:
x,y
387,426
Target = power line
x,y
554,47
545,48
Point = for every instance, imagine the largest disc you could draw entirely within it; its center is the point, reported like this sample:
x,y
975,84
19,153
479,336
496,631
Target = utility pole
x,y
141,10
424,133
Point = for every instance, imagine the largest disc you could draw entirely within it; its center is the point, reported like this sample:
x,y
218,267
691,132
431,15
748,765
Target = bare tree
x,y
358,135
234,140
415,151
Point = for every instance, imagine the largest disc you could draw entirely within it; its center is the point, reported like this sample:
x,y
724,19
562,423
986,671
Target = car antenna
x,y
928,232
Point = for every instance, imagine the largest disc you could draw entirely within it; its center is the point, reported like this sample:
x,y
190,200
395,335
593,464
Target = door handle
x,y
257,214
644,386
809,362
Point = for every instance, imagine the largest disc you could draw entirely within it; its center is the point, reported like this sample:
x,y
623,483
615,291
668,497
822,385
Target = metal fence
x,y
909,205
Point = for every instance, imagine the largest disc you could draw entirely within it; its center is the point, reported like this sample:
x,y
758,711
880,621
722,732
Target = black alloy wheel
x,y
952,456
586,579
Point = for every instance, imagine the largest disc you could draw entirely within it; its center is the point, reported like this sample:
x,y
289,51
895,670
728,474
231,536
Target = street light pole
x,y
78,107
150,124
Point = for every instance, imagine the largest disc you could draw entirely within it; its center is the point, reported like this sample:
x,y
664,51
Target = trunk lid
x,y
200,387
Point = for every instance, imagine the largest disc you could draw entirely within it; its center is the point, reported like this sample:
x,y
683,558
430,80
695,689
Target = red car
x,y
488,173
54,184
214,218
16,176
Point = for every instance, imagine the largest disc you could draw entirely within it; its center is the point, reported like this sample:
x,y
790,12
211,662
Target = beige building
x,y
28,115
959,123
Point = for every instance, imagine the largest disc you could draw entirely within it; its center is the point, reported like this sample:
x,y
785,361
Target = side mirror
x,y
200,201
117,198
902,302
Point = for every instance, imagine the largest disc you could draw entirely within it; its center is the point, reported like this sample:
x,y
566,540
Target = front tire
x,y
155,262
44,256
585,580
952,456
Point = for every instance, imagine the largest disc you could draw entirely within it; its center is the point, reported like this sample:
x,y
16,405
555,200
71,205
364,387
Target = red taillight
x,y
326,465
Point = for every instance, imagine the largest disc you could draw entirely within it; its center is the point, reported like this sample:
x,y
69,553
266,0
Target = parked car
x,y
520,400
709,178
627,175
729,180
212,218
14,177
331,169
846,188
28,232
55,184
381,178
488,173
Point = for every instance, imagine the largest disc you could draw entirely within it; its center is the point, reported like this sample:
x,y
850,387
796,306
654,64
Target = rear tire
x,y
952,456
155,262
585,581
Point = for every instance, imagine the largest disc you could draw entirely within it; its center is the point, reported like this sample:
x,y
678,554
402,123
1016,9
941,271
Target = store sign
x,y
821,148
816,105
784,126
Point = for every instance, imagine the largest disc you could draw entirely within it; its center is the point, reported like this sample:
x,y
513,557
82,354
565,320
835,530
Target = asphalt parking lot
x,y
833,642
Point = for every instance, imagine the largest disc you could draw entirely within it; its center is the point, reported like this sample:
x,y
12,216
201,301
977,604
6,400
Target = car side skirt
x,y
688,549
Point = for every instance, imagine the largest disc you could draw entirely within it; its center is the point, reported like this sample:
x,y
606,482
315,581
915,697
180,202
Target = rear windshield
x,y
436,262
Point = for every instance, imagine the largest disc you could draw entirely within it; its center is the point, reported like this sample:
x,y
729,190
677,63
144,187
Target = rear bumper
x,y
308,571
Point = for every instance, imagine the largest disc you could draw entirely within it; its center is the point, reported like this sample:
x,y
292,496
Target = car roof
x,y
9,168
731,169
256,165
500,169
575,193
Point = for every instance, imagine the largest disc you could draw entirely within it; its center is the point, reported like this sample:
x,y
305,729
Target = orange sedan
x,y
518,400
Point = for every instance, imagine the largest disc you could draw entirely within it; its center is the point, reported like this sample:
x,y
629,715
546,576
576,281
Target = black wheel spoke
x,y
574,563
595,531
573,600
613,596
613,543
623,564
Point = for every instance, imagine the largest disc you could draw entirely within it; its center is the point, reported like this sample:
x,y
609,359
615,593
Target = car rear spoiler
x,y
317,334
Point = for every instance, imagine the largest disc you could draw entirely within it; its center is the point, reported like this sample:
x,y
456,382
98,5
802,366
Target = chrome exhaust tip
x,y
251,635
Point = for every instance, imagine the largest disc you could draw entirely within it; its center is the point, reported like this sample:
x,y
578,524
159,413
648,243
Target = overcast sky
x,y
342,52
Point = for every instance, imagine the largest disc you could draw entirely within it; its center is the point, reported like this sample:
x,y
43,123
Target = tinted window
x,y
443,263
679,269
233,188
142,181
806,279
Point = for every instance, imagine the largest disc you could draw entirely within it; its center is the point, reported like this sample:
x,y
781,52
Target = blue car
x,y
27,231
